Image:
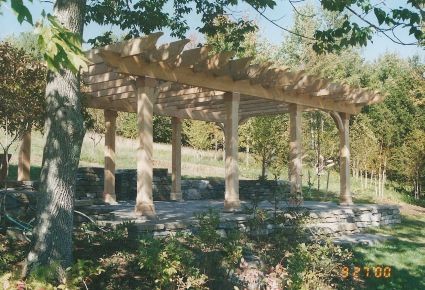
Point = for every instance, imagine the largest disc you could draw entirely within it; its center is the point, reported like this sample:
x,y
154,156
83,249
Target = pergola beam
x,y
137,66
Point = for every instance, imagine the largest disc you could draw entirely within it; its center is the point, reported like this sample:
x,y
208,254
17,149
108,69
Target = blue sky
x,y
273,34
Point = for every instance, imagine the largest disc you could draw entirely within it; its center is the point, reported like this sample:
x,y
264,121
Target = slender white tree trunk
x,y
64,132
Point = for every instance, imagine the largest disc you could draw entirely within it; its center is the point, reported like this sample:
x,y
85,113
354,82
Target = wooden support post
x,y
147,92
176,191
342,121
344,160
231,198
295,162
24,158
109,178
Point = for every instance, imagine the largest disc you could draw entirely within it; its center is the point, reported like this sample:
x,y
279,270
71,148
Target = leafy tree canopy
x,y
359,21
22,85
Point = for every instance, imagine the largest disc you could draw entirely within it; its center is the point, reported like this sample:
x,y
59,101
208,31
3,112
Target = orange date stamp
x,y
356,272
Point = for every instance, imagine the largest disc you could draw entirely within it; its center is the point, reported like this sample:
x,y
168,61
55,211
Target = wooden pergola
x,y
137,76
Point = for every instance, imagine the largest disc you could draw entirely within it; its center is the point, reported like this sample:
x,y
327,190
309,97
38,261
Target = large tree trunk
x,y
64,132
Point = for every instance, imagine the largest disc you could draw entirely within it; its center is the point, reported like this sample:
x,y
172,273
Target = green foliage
x,y
268,138
22,85
364,145
170,264
22,12
229,37
317,265
202,135
375,17
144,17
61,48
127,127
28,42
12,251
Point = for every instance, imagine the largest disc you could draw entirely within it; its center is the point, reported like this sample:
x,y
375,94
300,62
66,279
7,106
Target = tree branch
x,y
281,27
381,30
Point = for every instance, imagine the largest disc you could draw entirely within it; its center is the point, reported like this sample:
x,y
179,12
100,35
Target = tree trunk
x,y
327,180
366,180
64,132
263,167
384,175
247,155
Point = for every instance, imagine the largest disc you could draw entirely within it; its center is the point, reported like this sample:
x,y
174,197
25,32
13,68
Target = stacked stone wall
x,y
90,183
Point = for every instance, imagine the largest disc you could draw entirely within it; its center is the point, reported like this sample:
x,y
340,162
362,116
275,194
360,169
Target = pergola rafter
x,y
137,76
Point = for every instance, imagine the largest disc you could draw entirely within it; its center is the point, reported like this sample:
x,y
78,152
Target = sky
x,y
282,14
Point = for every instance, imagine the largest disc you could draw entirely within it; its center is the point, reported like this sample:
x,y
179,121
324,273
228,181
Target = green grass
x,y
405,254
194,162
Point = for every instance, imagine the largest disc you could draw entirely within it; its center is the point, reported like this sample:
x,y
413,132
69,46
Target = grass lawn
x,y
404,253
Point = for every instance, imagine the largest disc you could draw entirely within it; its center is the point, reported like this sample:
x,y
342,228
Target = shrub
x,y
169,264
316,265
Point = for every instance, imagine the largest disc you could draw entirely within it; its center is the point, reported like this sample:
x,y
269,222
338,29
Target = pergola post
x,y
176,192
109,175
24,158
231,197
342,121
345,197
295,161
147,92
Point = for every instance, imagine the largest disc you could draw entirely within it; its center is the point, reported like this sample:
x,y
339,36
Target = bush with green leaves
x,y
317,265
169,264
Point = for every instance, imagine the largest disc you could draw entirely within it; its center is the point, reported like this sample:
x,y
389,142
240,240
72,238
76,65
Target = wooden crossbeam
x,y
101,78
195,98
214,63
106,85
140,45
125,106
263,112
262,106
251,71
114,91
255,101
182,92
166,52
191,57
136,66
126,48
278,78
201,105
233,67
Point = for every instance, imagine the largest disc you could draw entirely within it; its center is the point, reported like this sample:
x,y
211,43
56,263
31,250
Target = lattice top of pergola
x,y
193,82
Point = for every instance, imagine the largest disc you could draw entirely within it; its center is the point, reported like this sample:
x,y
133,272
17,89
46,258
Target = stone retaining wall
x,y
90,181
332,224
324,218
353,219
